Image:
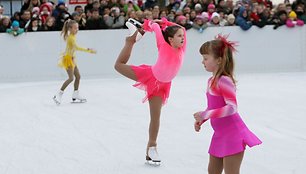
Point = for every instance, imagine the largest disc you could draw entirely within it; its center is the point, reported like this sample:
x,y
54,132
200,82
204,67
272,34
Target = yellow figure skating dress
x,y
68,58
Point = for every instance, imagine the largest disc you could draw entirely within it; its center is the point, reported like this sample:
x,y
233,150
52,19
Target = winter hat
x,y
199,17
180,18
47,5
198,6
205,15
35,9
50,4
292,14
75,14
15,24
230,16
61,2
211,6
215,14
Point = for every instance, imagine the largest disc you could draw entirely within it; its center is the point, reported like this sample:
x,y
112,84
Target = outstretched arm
x,y
157,26
71,41
152,26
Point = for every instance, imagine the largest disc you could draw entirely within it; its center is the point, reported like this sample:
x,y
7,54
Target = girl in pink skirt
x,y
231,135
154,79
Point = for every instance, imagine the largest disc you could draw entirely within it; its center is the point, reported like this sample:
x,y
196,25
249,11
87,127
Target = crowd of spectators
x,y
44,15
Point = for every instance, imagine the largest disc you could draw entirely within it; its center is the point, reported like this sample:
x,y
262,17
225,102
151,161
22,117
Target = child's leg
x,y
77,78
155,110
232,163
124,56
70,72
215,165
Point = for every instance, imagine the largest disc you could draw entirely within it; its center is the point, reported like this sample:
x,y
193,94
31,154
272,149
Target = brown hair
x,y
220,50
170,32
67,25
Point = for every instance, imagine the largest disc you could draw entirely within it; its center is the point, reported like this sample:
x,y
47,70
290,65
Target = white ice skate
x,y
134,26
58,97
76,98
153,157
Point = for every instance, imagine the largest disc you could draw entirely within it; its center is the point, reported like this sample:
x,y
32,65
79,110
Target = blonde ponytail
x,y
67,25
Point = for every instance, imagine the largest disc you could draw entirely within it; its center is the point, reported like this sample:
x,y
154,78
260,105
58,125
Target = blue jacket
x,y
242,21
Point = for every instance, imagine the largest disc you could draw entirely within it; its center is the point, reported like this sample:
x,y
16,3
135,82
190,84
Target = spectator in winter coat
x,y
25,18
61,15
96,21
182,21
292,20
279,19
200,24
45,11
130,5
210,10
5,24
230,20
15,29
300,13
258,17
115,20
242,19
34,25
49,25
215,20
79,19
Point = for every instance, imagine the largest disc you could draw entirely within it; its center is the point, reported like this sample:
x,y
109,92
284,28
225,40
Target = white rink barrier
x,y
34,56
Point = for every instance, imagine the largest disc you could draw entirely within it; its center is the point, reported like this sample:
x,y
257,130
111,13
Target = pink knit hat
x,y
180,18
35,9
211,6
205,15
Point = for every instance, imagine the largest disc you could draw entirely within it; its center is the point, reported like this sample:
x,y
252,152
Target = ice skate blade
x,y
134,22
55,101
153,163
74,101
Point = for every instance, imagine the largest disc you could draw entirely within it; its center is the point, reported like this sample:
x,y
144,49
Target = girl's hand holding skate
x,y
131,39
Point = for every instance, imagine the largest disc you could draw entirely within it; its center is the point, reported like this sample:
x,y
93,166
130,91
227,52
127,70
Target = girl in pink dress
x,y
155,79
231,135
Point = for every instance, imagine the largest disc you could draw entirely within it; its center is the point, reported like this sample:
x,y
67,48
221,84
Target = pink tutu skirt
x,y
147,82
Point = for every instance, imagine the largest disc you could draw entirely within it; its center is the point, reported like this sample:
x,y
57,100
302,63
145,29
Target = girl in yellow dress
x,y
69,31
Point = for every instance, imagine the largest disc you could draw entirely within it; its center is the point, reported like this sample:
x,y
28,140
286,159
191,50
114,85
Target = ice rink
x,y
108,134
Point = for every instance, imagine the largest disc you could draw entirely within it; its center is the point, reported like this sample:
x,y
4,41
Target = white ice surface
x,y
108,134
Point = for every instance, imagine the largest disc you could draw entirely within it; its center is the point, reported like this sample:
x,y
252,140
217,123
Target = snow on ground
x,y
108,134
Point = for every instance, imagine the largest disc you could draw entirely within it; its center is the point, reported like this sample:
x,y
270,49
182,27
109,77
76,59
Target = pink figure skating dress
x,y
156,79
231,135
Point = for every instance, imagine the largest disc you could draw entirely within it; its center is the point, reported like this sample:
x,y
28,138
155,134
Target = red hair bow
x,y
230,44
